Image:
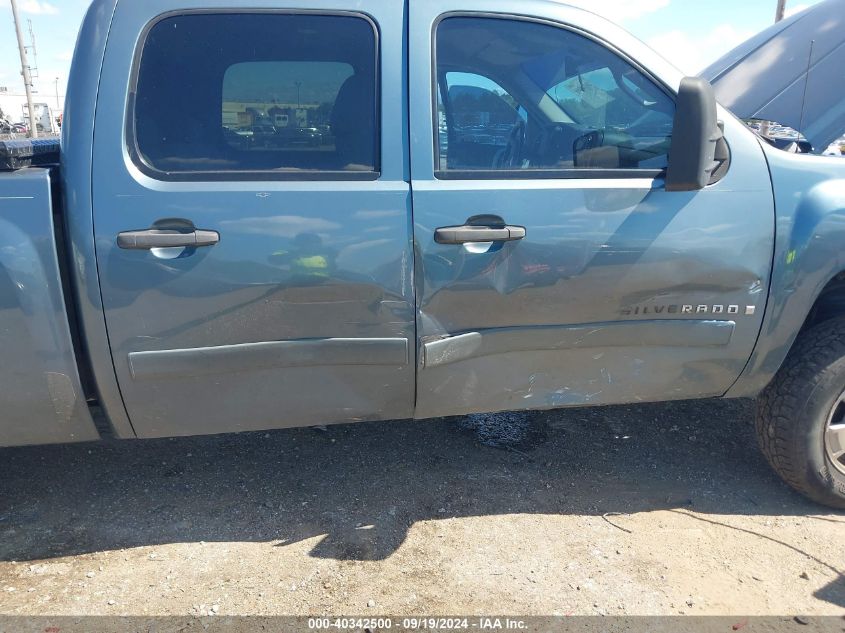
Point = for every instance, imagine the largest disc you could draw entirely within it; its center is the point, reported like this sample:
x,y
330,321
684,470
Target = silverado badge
x,y
731,310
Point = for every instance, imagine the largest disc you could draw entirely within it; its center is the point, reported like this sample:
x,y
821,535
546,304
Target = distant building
x,y
13,104
247,113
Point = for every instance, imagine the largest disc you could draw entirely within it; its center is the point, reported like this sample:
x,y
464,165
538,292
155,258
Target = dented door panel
x,y
644,283
620,291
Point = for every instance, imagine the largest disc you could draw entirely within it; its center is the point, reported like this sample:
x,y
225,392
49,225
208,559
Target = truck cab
x,y
330,289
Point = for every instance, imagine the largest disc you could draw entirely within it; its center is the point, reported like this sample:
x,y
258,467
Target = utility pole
x,y
58,107
779,13
27,78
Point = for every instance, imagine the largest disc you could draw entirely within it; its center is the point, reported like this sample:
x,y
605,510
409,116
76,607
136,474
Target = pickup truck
x,y
510,208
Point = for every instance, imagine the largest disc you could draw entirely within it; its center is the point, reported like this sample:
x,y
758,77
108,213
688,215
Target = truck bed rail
x,y
18,154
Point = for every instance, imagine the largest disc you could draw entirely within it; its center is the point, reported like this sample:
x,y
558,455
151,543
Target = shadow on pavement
x,y
364,485
833,592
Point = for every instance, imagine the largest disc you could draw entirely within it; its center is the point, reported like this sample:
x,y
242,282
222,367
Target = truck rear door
x,y
553,266
252,214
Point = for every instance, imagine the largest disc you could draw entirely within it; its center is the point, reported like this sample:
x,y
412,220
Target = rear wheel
x,y
801,415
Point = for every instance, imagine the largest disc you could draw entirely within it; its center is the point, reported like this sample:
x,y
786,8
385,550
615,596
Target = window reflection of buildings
x,y
279,115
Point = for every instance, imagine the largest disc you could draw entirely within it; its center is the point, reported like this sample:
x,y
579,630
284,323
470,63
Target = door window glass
x,y
299,99
483,116
519,96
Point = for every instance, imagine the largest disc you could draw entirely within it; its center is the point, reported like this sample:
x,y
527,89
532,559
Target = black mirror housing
x,y
695,135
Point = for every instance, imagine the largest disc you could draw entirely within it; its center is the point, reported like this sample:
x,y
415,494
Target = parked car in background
x,y
521,206
239,138
292,136
837,148
264,136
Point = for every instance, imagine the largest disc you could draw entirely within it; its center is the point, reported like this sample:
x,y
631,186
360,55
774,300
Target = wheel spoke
x,y
835,440
837,418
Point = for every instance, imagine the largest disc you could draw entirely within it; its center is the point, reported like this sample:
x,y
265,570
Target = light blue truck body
x,y
620,291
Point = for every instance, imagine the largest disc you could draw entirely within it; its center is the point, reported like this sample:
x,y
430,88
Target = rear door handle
x,y
166,238
472,233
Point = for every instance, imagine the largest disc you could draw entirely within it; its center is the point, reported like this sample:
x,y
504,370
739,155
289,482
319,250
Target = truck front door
x,y
553,268
252,229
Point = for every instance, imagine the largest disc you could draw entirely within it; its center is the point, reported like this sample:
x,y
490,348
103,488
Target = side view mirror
x,y
698,153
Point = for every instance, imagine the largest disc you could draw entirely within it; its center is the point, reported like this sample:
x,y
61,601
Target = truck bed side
x,y
40,389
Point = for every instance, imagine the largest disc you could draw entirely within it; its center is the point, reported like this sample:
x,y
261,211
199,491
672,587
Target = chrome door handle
x,y
166,238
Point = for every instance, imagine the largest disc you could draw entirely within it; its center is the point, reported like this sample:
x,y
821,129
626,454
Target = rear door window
x,y
298,102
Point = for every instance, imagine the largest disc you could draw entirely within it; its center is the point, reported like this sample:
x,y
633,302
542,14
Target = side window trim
x,y
129,132
540,173
584,173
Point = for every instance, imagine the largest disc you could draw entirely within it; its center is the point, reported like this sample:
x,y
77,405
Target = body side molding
x,y
225,359
652,333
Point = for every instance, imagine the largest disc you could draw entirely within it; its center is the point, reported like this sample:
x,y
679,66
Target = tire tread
x,y
782,403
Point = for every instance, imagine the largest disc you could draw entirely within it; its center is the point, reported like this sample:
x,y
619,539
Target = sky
x,y
690,33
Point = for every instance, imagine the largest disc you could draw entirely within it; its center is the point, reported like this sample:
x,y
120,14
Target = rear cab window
x,y
299,102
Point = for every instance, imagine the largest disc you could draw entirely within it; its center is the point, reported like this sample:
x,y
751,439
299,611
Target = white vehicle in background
x,y
836,148
44,119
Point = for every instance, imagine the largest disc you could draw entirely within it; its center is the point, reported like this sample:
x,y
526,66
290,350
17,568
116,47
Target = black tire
x,y
793,413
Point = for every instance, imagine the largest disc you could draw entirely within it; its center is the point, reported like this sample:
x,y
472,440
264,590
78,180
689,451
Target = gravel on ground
x,y
648,509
